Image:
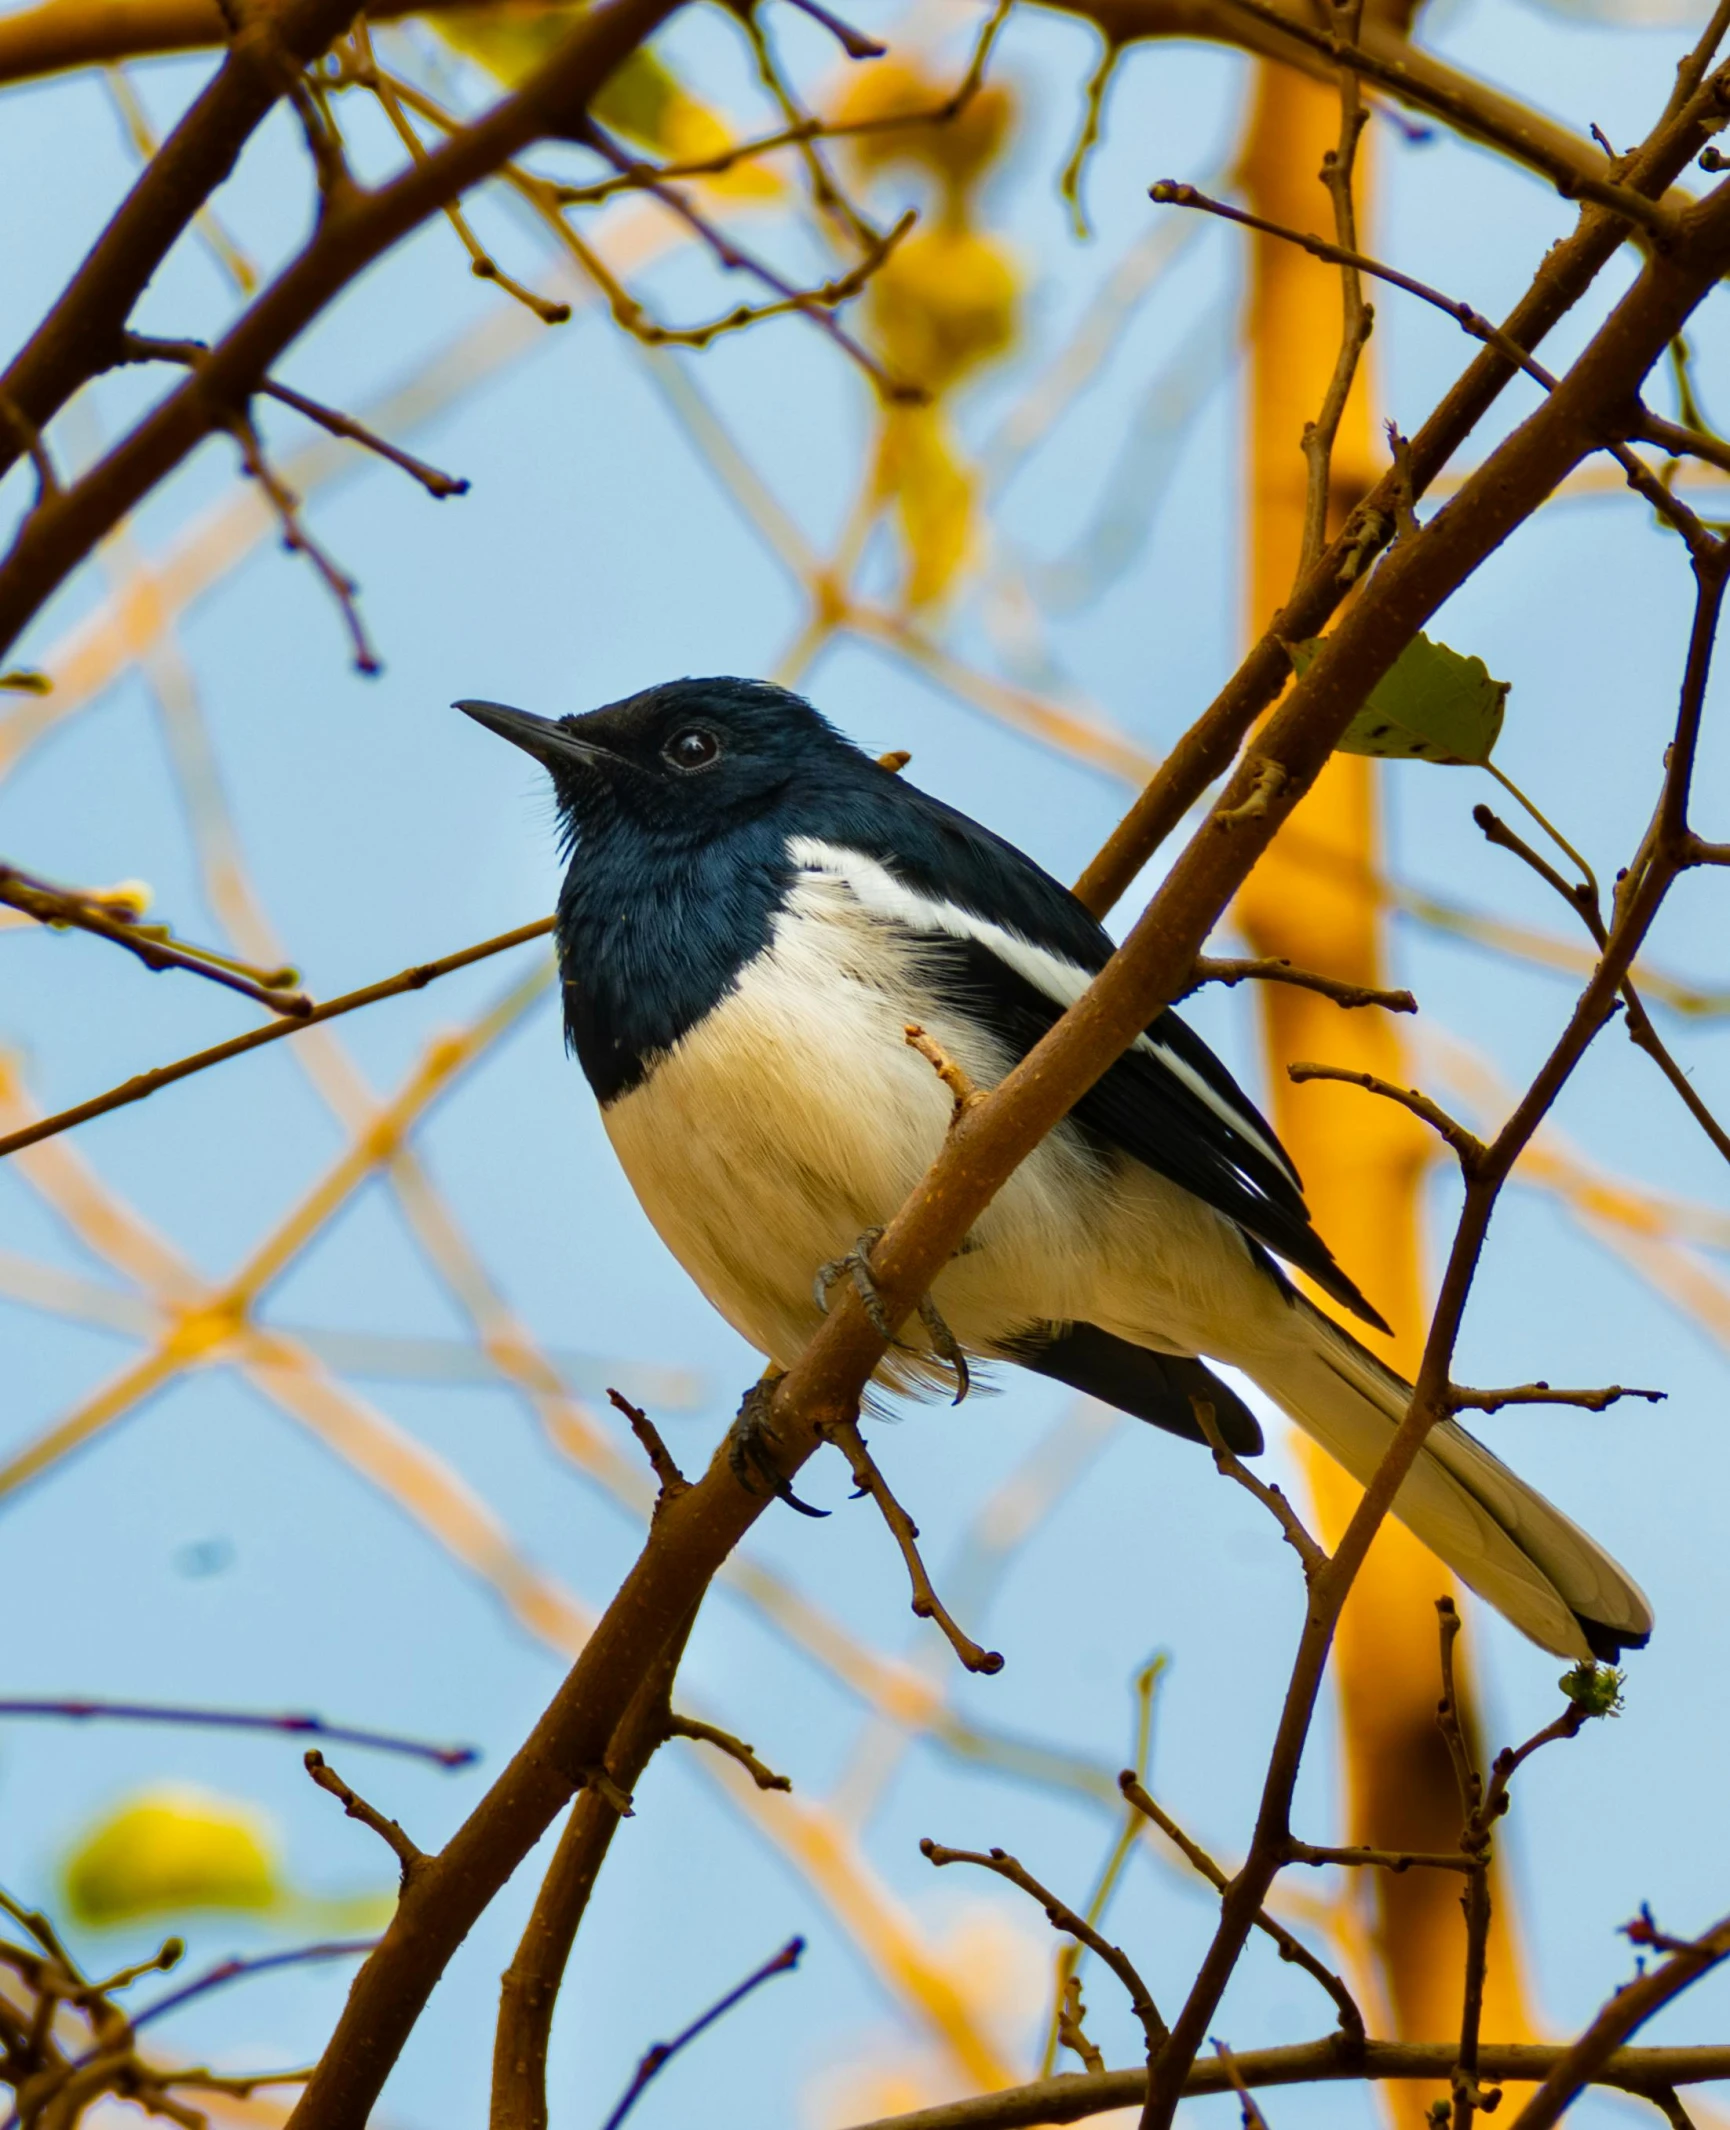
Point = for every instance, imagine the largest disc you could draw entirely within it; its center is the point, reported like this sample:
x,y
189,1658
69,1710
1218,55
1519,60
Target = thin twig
x,y
735,1748
1357,320
1168,192
114,918
1227,1462
947,1070
1592,1401
782,1963
927,1605
137,347
1253,2118
298,541
303,1726
1273,969
148,1083
661,1460
239,1970
1291,1949
1394,1860
1062,1917
1467,1146
411,1858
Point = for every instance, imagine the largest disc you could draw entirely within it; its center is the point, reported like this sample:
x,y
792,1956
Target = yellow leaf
x,y
169,1849
956,150
933,497
644,100
943,304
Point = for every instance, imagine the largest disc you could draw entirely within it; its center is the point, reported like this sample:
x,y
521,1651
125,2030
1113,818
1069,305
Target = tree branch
x,y
148,1083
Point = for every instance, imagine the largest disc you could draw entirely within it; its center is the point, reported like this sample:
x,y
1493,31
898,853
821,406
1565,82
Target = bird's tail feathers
x,y
1498,1535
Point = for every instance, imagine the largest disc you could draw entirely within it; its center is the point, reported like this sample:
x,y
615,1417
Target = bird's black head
x,y
681,762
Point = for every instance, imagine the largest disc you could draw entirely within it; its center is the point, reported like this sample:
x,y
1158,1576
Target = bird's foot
x,y
751,1444
856,1266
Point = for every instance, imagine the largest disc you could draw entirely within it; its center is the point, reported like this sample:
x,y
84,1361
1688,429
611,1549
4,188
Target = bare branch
x,y
927,1605
1467,1146
1592,1401
117,917
1291,1949
1062,1917
782,1963
735,1748
80,1711
1226,1462
148,1083
411,1859
1211,969
661,1459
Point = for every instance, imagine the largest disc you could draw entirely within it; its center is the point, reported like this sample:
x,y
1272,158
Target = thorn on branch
x,y
661,1460
735,1748
1469,1149
1064,1918
927,1605
408,1856
297,540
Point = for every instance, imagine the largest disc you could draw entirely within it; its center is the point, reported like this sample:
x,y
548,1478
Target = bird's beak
x,y
545,738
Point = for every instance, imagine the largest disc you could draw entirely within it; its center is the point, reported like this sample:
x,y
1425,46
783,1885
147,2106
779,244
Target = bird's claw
x,y
751,1452
856,1265
946,1346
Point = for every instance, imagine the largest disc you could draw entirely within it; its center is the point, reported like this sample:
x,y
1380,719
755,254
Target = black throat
x,y
652,935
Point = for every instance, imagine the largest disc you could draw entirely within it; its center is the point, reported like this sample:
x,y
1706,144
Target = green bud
x,y
1597,1688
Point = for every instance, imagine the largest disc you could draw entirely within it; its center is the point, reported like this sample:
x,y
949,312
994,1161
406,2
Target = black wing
x,y
1168,1102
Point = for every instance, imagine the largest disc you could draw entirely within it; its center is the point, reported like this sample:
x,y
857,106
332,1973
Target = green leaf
x,y
1431,705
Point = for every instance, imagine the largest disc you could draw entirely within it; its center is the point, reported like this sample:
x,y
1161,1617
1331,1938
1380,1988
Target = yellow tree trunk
x,y
1361,1160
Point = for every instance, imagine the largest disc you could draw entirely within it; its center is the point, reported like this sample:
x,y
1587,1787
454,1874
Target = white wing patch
x,y
1062,981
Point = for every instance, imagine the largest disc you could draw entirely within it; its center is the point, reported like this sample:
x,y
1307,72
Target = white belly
x,y
795,1116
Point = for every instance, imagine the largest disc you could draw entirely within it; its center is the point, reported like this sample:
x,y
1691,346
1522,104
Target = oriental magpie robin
x,y
754,912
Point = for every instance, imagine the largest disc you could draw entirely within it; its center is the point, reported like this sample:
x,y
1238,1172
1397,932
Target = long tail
x,y
1501,1538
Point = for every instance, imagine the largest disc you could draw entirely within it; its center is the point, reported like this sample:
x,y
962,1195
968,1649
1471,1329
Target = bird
x,y
754,915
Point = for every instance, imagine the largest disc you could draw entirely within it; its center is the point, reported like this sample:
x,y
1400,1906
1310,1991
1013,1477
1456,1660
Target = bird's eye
x,y
695,747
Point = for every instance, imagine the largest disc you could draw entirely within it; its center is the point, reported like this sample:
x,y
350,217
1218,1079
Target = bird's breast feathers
x,y
794,1115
